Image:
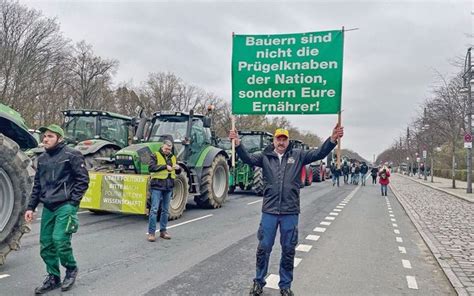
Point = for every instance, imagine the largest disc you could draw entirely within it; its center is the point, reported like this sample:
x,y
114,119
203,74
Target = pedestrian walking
x,y
353,170
281,166
163,168
364,169
61,180
384,180
335,172
345,172
374,172
356,174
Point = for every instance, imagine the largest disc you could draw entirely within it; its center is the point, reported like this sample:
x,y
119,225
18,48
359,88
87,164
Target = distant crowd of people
x,y
355,172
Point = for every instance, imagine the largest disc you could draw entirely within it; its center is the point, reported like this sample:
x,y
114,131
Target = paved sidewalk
x,y
446,225
445,185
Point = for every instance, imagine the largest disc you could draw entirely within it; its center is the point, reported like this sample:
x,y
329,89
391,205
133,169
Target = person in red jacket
x,y
384,175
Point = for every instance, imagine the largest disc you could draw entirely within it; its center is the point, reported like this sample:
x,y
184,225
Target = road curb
x,y
414,217
439,189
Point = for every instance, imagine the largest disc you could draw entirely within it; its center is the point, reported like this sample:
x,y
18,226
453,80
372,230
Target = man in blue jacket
x,y
60,183
281,166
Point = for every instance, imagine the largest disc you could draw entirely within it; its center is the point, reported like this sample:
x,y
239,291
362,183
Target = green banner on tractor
x,y
116,193
288,73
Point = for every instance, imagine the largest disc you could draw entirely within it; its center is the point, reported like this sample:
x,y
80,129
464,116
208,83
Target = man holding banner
x,y
281,166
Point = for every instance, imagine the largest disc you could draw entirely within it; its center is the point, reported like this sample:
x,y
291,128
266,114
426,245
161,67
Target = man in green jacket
x,y
60,183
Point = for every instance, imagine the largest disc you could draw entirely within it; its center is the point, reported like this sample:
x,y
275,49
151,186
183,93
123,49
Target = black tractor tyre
x,y
180,196
92,163
16,182
214,184
258,185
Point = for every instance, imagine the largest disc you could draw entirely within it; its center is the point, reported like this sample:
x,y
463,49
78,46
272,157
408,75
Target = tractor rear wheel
x,y
214,184
180,196
16,181
258,186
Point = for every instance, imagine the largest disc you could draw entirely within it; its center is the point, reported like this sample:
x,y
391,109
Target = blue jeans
x,y
288,240
362,178
384,189
335,179
158,196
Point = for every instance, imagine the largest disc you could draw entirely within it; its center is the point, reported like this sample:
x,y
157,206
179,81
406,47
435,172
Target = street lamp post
x,y
467,76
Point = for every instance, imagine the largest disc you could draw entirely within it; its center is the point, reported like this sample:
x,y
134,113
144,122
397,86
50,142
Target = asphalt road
x,y
362,251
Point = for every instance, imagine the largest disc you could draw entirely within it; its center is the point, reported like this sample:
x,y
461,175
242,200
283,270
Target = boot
x,y
256,289
165,235
50,283
69,279
286,292
151,238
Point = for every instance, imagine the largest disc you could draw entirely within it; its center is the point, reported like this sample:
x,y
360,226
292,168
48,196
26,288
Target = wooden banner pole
x,y
233,141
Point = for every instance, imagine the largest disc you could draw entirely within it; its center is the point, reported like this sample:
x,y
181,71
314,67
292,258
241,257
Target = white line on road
x,y
330,218
313,237
297,261
342,204
391,215
325,223
399,239
394,225
272,281
396,231
254,202
186,222
340,207
337,210
393,220
391,212
406,263
402,250
411,280
2,276
334,214
319,229
303,248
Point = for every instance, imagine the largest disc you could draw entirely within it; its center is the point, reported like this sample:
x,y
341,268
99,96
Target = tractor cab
x,y
255,140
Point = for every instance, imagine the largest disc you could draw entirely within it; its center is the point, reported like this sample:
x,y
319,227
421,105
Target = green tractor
x,y
204,173
16,179
306,171
97,134
243,175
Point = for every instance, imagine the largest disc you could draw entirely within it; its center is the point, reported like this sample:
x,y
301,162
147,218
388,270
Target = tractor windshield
x,y
173,125
251,142
114,130
79,128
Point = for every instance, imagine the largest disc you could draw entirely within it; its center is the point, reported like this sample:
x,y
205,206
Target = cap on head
x,y
281,132
53,128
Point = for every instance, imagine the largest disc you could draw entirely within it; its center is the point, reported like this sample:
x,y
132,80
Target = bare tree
x,y
91,77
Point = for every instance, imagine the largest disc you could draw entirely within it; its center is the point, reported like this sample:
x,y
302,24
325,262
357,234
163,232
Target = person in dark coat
x,y
374,173
61,180
281,166
345,171
364,169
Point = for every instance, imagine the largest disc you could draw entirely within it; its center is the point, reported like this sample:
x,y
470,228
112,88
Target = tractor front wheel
x,y
214,184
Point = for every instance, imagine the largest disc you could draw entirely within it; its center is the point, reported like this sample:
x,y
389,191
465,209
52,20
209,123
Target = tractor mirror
x,y
206,122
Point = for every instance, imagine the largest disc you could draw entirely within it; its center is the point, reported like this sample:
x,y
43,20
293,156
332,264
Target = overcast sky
x,y
390,63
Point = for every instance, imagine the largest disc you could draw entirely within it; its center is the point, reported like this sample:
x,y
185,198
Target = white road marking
x,y
297,261
402,250
272,281
303,248
399,239
406,263
389,208
313,237
411,280
391,215
319,229
2,276
186,222
393,220
337,210
325,223
334,214
394,225
342,204
391,212
254,202
330,218
396,231
340,207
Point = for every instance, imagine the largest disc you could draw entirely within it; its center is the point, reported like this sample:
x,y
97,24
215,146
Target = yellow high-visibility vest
x,y
163,174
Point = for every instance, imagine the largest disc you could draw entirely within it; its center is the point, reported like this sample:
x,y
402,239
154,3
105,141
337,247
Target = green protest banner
x,y
288,73
116,193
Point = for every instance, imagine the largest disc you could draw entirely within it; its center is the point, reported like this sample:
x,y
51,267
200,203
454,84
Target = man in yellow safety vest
x,y
163,169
